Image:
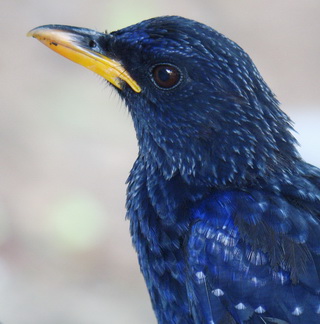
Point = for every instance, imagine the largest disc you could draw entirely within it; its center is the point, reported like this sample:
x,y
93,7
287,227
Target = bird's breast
x,y
158,232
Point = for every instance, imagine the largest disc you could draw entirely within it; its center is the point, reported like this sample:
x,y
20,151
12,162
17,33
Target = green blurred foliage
x,y
77,223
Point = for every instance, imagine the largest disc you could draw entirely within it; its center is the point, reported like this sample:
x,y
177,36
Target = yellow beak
x,y
78,45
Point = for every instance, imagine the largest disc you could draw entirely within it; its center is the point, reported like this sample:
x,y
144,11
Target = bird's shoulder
x,y
263,221
255,253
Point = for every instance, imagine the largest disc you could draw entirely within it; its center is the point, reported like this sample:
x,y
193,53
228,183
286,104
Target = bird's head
x,y
199,105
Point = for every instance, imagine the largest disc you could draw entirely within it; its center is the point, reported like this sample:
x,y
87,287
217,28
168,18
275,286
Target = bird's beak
x,y
83,46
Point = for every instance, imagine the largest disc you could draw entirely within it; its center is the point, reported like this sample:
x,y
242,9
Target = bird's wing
x,y
253,258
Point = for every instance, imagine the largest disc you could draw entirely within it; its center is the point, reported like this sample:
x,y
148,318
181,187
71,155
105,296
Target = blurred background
x,y
67,144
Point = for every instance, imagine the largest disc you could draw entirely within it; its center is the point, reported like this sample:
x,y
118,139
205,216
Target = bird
x,y
224,212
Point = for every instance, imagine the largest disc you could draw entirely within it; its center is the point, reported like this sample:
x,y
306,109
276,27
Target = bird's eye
x,y
166,76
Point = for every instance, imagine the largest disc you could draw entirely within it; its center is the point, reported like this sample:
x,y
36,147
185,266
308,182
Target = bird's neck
x,y
235,142
217,164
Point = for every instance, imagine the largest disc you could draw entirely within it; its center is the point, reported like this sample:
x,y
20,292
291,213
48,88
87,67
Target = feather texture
x,y
224,213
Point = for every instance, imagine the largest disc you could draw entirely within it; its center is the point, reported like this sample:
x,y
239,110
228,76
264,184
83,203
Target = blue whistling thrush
x,y
224,213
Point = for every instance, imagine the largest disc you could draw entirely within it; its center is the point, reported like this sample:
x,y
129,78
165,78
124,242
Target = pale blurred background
x,y
67,144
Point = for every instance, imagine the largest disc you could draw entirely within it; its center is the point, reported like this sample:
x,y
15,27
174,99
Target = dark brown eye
x,y
165,76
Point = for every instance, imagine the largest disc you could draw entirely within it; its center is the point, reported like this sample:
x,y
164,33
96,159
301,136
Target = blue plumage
x,y
224,213
227,218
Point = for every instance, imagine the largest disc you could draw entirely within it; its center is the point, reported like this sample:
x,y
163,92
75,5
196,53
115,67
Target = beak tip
x,y
32,32
37,31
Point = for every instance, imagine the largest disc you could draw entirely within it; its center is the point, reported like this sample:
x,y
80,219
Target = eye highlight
x,y
165,76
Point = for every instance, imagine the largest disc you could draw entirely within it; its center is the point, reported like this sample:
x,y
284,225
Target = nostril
x,y
92,43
